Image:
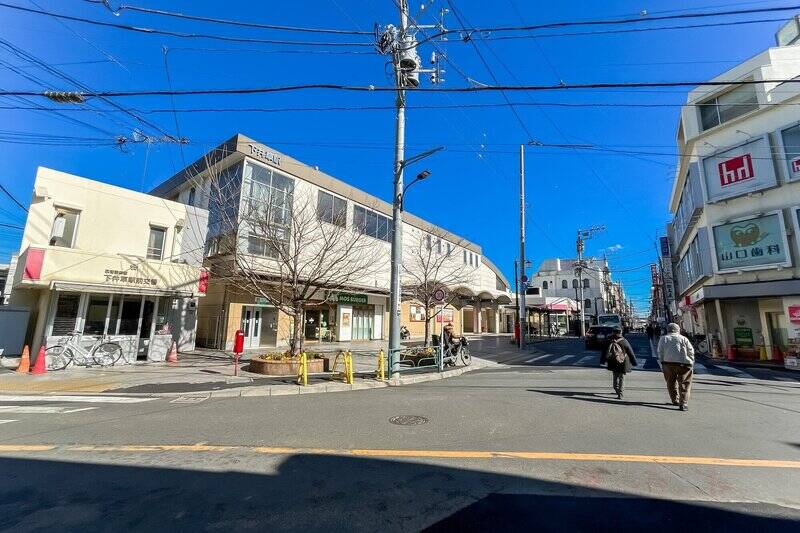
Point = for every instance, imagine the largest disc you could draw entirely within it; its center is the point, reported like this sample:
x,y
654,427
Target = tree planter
x,y
290,367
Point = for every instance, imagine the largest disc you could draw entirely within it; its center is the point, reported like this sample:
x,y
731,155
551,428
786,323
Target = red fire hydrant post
x,y
238,348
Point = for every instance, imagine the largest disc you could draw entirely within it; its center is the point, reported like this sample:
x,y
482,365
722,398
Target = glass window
x,y
66,315
564,284
331,209
728,106
544,285
114,315
438,246
465,257
64,228
129,320
95,323
383,228
155,244
359,218
427,242
192,193
574,283
587,303
449,248
371,228
585,283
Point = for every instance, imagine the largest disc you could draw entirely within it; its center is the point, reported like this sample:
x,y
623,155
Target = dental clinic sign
x,y
739,170
751,243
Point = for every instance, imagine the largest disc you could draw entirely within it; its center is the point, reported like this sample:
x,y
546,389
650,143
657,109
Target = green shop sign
x,y
743,337
349,298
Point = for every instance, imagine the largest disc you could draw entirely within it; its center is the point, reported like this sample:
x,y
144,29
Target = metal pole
x,y
582,327
397,211
516,308
523,325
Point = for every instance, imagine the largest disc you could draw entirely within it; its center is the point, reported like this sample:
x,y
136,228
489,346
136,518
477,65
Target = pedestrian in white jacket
x,y
676,355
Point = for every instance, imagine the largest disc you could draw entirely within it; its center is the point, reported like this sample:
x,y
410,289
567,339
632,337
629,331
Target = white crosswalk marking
x,y
699,369
532,359
6,421
560,359
42,409
584,360
74,399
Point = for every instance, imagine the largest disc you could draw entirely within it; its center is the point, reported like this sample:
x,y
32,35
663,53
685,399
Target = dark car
x,y
597,337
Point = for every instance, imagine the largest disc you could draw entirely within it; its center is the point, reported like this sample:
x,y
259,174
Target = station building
x,y
253,177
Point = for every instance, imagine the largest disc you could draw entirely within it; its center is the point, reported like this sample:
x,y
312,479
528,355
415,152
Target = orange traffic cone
x,y
39,366
172,356
24,361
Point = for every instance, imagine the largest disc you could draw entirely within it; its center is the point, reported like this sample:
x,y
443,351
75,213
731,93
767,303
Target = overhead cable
x,y
182,35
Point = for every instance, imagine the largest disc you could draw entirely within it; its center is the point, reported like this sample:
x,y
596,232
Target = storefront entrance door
x,y
251,326
362,324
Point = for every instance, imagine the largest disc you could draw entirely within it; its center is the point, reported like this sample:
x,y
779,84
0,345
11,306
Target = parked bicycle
x,y
101,353
700,343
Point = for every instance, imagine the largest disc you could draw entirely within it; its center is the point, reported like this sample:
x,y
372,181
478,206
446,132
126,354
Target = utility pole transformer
x,y
580,245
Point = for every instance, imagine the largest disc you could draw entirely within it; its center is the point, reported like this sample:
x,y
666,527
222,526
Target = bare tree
x,y
278,238
431,264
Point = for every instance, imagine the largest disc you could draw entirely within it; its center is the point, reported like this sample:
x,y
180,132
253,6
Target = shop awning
x,y
117,289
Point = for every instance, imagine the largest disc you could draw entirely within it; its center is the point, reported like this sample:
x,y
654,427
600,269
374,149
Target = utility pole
x,y
580,246
523,325
397,211
401,43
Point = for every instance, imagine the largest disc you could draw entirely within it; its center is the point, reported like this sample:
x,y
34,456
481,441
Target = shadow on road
x,y
600,398
335,493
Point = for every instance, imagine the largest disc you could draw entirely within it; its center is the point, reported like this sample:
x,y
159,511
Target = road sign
x,y
524,278
439,295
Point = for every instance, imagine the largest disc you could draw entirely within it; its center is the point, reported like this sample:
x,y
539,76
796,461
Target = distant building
x,y
559,278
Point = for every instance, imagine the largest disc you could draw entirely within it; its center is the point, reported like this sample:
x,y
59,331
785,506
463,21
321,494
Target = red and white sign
x,y
796,165
794,314
735,170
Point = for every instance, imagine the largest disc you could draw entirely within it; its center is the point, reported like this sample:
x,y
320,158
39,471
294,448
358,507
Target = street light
x,y
397,250
421,176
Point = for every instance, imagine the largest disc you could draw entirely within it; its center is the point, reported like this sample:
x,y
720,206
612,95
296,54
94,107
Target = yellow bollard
x,y
381,361
302,376
348,368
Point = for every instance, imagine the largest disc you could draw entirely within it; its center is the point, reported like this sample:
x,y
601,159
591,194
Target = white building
x,y
256,178
736,202
100,260
558,278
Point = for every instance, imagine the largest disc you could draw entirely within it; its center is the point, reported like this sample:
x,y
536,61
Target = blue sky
x,y
473,189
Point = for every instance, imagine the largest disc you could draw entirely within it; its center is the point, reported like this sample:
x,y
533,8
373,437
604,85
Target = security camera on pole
x,y
402,44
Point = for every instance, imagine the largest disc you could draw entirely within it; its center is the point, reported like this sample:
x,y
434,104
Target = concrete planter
x,y
284,368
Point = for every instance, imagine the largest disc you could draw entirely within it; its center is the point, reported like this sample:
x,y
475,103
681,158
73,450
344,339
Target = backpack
x,y
616,352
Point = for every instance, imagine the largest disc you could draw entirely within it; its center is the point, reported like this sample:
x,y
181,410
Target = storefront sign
x,y
739,170
349,298
654,274
750,243
743,337
261,300
666,271
264,155
792,306
445,315
790,142
129,277
664,246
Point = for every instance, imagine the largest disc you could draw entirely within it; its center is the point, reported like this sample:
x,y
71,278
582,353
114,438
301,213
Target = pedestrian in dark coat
x,y
619,369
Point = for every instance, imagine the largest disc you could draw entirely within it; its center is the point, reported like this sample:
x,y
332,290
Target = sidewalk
x,y
210,373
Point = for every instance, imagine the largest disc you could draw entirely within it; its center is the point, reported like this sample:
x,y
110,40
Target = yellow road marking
x,y
420,454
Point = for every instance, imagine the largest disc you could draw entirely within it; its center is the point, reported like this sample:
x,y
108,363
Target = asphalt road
x,y
519,445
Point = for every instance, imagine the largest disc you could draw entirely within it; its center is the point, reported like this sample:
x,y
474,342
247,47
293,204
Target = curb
x,y
280,390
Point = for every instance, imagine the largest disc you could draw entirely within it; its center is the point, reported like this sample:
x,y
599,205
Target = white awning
x,y
116,289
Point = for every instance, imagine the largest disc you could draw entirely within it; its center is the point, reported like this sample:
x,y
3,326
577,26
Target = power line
x,y
11,226
152,31
230,22
618,21
372,88
13,199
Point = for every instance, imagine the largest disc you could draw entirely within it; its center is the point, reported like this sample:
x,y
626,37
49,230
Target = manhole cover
x,y
408,420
